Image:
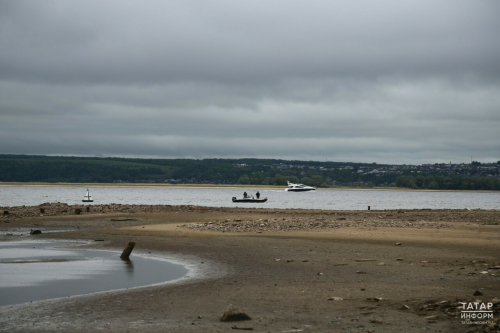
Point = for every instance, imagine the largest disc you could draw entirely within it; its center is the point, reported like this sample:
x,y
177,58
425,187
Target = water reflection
x,y
129,265
39,270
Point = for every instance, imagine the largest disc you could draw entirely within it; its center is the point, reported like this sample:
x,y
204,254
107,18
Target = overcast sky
x,y
402,82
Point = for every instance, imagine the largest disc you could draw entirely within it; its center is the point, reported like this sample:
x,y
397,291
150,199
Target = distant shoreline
x,y
33,184
222,186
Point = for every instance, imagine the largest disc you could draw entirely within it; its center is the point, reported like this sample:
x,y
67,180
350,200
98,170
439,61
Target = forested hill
x,y
34,168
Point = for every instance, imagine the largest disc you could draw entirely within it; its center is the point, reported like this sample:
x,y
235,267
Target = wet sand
x,y
320,271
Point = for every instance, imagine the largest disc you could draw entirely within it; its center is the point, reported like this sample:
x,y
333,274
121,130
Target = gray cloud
x,y
385,81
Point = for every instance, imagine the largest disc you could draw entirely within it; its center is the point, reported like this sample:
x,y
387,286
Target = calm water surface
x,y
217,197
38,270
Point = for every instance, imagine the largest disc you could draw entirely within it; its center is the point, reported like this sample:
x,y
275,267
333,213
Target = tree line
x,y
452,182
51,169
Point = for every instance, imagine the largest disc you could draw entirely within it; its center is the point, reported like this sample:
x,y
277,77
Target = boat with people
x,y
249,199
87,197
299,187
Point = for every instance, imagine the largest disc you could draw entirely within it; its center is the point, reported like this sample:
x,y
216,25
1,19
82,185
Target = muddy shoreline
x,y
289,270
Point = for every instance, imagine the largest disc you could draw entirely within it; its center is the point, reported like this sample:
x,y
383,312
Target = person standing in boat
x,y
245,194
257,195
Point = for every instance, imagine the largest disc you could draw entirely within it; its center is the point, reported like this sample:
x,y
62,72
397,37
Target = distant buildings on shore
x,y
303,170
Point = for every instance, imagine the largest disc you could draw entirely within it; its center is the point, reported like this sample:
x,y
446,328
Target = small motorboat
x,y
299,187
87,197
248,199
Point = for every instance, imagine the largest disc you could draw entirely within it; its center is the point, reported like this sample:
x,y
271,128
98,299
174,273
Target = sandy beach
x,y
288,270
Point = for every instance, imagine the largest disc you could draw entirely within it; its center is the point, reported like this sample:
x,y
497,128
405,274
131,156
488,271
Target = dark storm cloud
x,y
385,81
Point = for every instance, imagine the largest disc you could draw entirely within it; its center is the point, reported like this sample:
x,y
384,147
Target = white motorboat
x,y
87,197
299,187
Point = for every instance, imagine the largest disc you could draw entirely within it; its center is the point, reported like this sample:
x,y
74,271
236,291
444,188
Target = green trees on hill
x,y
74,170
29,168
453,182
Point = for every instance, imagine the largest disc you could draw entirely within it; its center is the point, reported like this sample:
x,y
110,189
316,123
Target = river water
x,y
221,197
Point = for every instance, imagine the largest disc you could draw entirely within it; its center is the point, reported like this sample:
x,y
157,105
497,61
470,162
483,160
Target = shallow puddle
x,y
39,270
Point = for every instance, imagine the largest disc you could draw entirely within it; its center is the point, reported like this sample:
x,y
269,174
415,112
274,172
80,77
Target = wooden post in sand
x,y
128,250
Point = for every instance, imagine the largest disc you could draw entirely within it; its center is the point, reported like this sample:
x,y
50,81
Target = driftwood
x,y
128,250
